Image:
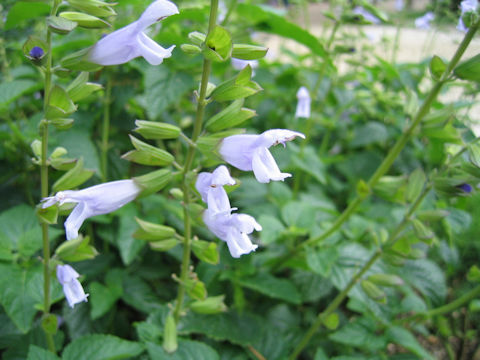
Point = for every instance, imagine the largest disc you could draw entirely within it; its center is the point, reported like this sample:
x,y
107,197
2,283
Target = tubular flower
x,y
423,22
130,41
466,6
303,104
233,229
96,200
210,187
250,152
72,288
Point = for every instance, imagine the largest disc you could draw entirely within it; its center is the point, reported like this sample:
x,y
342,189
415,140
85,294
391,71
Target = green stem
x,y
392,154
106,128
344,293
197,128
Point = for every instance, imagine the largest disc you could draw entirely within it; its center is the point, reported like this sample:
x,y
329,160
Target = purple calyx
x,y
36,52
465,187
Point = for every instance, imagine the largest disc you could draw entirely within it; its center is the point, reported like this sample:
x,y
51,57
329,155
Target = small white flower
x,y
130,41
96,200
210,187
423,22
466,6
366,15
303,104
233,229
250,152
72,288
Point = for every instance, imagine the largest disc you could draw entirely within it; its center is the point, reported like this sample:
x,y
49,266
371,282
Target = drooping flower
x,y
72,288
96,200
233,229
250,152
130,41
366,15
466,6
303,104
210,187
423,22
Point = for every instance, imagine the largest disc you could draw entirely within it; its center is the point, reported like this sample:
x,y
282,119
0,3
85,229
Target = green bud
x,y
156,130
197,37
422,232
164,245
176,193
332,321
59,104
437,67
473,274
206,251
387,187
80,88
62,123
373,291
416,183
78,61
60,25
211,305
36,146
35,50
58,152
233,115
363,190
195,289
237,88
385,280
93,7
50,324
191,49
152,232
248,52
77,249
48,215
170,344
153,181
147,154
84,20
432,215
218,45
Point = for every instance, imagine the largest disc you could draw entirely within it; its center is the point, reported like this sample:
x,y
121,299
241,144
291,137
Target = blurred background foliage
x,y
361,103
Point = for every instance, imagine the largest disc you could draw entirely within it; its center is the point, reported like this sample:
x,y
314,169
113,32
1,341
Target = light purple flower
x,y
303,104
130,41
239,64
423,22
233,229
210,187
250,152
466,6
399,5
366,15
72,288
96,200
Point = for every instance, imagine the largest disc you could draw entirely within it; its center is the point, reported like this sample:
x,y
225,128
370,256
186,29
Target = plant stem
x,y
197,127
44,181
344,293
392,154
106,127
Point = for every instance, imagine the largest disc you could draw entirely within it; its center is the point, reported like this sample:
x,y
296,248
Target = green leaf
x,y
371,133
101,347
10,91
85,20
373,291
47,215
403,337
361,333
187,350
128,246
172,85
271,286
38,353
422,232
469,70
79,88
206,251
474,154
278,24
474,305
60,25
73,178
437,67
218,45
320,261
331,321
473,274
101,299
272,228
21,11
138,294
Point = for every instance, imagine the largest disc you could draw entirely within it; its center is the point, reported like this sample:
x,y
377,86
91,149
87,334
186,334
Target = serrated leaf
x,y
320,261
403,337
101,299
271,286
101,347
38,353
187,350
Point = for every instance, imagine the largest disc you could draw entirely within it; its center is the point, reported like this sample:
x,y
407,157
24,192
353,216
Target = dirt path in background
x,y
414,45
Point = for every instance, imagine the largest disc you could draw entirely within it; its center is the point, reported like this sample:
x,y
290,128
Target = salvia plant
x,y
339,225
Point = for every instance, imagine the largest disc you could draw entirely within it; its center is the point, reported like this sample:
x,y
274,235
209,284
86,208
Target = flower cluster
x,y
245,152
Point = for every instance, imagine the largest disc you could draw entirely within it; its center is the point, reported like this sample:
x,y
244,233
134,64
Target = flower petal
x,y
116,48
155,12
237,150
265,168
74,292
151,51
65,274
221,176
277,136
76,219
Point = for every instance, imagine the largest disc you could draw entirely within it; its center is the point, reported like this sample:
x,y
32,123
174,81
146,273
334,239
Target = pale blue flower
x,y
366,15
399,5
210,187
466,6
250,152
303,104
96,200
72,288
423,22
233,229
130,41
